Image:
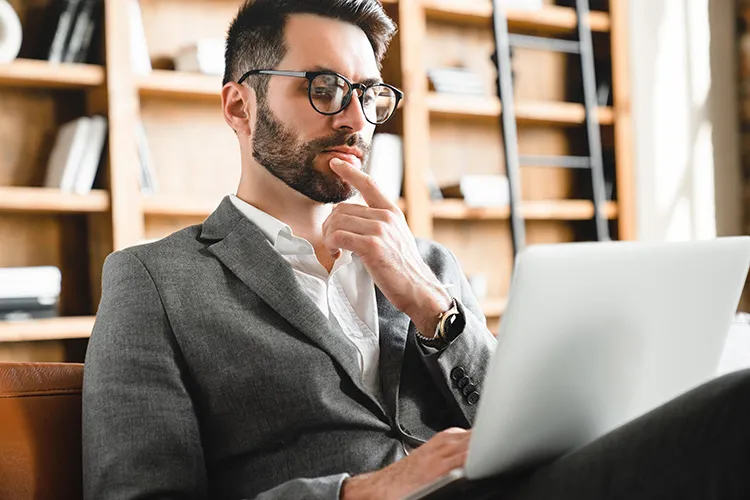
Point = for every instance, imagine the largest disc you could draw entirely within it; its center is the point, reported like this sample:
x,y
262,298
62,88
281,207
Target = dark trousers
x,y
696,446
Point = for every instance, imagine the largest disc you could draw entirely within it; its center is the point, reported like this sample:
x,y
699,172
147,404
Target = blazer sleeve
x,y
140,431
141,435
468,356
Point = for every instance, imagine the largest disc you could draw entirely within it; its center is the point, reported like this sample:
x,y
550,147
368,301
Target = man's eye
x,y
322,92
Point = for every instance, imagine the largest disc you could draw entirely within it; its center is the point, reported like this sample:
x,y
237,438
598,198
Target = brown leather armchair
x,y
40,431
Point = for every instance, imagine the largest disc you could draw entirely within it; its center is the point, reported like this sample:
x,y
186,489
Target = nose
x,y
353,116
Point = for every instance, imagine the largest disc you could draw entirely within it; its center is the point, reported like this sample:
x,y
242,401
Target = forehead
x,y
316,41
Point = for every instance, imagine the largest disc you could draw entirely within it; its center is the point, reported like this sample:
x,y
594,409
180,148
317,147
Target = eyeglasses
x,y
330,93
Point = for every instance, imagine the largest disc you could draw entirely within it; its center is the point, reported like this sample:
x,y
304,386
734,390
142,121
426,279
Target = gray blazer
x,y
211,374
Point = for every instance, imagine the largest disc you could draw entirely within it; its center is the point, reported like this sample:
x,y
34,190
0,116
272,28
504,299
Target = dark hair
x,y
255,39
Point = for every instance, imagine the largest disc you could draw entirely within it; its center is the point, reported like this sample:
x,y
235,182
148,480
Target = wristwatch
x,y
451,324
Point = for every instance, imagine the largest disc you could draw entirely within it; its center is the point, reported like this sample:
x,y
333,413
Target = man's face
x,y
292,140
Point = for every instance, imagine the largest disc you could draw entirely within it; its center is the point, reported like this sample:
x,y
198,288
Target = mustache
x,y
340,139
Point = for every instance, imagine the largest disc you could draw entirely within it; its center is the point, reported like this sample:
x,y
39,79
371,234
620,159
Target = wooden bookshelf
x,y
30,200
552,113
63,328
550,19
197,157
41,74
563,210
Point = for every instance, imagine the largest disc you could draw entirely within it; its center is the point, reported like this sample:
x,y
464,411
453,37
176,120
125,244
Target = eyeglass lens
x,y
328,95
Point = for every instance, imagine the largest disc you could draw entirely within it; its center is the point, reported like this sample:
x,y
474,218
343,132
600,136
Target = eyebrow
x,y
366,82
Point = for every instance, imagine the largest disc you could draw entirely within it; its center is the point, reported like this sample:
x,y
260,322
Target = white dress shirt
x,y
346,295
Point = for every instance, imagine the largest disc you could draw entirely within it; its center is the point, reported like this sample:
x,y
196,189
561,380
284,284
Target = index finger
x,y
363,183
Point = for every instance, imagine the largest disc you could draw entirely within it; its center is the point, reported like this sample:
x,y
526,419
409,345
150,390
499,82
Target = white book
x,y
92,156
30,282
140,58
148,180
67,154
386,164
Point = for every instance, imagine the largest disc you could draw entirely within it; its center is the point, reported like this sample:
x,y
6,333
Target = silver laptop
x,y
596,334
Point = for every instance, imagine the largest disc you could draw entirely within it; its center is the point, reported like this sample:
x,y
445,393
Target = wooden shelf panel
x,y
179,85
46,329
532,210
51,201
550,19
494,307
42,74
540,112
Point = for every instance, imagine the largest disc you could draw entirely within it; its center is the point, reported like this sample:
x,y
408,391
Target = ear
x,y
238,103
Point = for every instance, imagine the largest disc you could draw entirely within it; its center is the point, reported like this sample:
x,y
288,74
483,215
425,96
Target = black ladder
x,y
504,41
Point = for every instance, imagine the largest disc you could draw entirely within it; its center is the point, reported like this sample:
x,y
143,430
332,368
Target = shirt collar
x,y
280,234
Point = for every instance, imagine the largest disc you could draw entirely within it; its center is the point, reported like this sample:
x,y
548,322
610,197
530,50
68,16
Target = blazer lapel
x,y
394,326
246,251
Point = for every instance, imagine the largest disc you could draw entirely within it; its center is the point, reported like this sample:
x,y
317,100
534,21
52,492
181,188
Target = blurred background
x,y
633,125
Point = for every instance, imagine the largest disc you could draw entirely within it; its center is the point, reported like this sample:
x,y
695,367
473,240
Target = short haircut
x,y
255,39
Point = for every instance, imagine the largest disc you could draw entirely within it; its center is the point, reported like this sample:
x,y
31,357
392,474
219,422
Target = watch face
x,y
454,325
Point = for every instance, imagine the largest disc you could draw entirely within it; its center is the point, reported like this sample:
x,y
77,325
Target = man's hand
x,y
379,235
438,456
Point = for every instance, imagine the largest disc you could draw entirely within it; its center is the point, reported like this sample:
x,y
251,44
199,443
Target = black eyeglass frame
x,y
312,75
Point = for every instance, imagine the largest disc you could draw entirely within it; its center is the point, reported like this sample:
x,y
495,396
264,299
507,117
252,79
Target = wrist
x,y
426,311
354,488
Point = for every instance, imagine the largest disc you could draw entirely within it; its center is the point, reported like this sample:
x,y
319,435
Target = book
x,y
67,153
84,26
140,58
76,155
386,164
87,168
147,173
61,18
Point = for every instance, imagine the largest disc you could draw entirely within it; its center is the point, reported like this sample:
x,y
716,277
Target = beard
x,y
279,151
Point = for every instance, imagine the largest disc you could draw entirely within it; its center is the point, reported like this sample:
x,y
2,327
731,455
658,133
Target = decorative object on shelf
x,y
480,190
11,33
76,155
29,292
141,60
147,172
456,81
386,164
205,56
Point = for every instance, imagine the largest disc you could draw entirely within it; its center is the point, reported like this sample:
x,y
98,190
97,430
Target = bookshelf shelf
x,y
46,329
42,74
179,85
550,19
494,307
532,210
541,112
51,201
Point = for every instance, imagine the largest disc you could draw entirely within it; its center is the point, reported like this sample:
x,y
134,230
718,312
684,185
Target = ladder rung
x,y
555,161
544,43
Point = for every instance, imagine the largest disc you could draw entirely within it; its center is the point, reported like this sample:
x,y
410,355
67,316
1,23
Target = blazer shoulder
x,y
177,248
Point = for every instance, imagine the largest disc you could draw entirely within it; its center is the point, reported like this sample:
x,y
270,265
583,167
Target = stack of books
x,y
29,292
69,30
76,155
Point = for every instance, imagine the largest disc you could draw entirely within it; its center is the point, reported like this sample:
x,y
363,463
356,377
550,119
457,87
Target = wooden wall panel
x,y
195,153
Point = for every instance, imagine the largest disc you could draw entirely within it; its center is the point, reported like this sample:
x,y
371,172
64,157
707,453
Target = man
x,y
295,345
